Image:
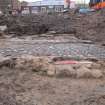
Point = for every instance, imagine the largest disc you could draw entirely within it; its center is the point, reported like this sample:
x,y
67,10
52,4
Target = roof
x,y
46,2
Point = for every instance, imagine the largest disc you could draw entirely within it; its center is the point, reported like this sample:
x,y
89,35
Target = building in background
x,y
72,5
6,5
66,4
16,5
24,4
46,6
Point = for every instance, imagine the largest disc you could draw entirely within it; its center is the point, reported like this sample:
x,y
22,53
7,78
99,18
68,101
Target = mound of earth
x,y
84,26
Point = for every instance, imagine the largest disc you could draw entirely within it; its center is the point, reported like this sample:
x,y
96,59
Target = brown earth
x,y
25,86
24,82
84,26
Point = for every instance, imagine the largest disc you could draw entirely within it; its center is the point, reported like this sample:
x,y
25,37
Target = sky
x,y
30,0
78,1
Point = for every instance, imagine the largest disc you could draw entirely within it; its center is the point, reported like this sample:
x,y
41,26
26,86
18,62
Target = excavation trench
x,y
62,63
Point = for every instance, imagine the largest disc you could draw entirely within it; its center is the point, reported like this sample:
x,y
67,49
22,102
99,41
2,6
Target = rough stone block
x,y
83,72
96,73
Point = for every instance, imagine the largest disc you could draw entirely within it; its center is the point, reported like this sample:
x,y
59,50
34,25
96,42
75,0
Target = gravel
x,y
76,50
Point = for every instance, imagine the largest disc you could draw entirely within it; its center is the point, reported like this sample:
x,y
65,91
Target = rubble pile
x,y
25,26
8,99
84,26
27,65
91,26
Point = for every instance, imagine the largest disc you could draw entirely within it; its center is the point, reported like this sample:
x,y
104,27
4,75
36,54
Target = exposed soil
x,y
84,26
25,85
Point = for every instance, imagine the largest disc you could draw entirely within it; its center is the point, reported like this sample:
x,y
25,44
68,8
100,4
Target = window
x,y
58,9
43,9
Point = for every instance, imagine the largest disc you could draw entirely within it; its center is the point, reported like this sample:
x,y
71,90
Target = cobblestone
x,y
53,49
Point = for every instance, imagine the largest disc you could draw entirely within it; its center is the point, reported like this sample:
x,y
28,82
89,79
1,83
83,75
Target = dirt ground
x,y
24,87
52,35
83,26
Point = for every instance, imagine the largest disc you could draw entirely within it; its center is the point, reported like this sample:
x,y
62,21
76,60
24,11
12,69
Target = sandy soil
x,y
25,87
